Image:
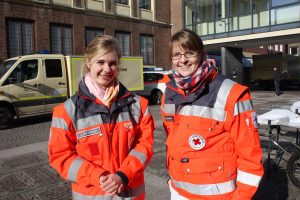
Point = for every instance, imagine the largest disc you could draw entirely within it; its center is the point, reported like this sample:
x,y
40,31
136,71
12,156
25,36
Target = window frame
x,y
62,49
145,61
121,45
94,30
21,36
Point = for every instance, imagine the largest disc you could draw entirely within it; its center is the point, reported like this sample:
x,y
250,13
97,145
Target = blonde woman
x,y
101,138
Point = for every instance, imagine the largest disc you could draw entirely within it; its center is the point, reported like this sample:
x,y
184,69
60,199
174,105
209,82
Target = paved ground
x,y
25,172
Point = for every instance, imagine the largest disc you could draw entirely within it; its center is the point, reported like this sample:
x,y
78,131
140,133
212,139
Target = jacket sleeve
x,y
141,152
244,132
62,151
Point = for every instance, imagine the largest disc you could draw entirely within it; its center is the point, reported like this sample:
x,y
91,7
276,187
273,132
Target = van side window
x,y
32,69
25,70
53,68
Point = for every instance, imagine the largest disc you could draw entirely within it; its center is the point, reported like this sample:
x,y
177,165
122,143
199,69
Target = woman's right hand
x,y
111,184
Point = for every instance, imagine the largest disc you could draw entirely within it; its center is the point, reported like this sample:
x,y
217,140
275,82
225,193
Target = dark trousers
x,y
277,91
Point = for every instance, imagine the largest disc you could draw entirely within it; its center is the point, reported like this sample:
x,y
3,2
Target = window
x,y
221,9
61,39
122,1
260,5
146,44
53,68
150,77
20,37
244,7
26,70
283,3
124,42
78,3
234,7
5,66
189,12
90,33
205,10
145,4
294,51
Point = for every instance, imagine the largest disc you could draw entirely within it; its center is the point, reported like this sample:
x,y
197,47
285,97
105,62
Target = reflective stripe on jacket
x,y
213,147
88,139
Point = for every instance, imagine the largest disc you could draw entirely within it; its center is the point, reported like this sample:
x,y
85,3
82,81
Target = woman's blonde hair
x,y
100,46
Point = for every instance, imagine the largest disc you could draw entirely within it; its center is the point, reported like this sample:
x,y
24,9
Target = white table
x,y
277,118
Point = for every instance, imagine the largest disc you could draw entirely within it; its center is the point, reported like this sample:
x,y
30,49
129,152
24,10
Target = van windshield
x,y
5,66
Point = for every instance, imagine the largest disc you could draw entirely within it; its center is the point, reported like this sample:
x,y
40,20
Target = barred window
x,y
146,44
90,33
124,42
61,39
20,37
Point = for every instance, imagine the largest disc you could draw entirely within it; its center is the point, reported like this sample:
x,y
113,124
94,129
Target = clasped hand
x,y
111,184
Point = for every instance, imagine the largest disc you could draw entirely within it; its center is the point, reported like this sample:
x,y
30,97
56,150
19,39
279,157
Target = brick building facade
x,y
28,26
176,16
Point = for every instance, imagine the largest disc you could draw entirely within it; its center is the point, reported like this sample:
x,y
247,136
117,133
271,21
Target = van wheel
x,y
6,118
156,97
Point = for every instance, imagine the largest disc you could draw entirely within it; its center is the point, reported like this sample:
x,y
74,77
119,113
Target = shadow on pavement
x,y
30,121
276,187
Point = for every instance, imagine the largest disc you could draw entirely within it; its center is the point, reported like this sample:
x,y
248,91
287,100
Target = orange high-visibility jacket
x,y
213,146
88,139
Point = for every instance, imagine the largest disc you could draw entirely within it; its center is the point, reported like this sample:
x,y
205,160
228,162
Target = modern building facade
x,y
142,27
244,22
242,28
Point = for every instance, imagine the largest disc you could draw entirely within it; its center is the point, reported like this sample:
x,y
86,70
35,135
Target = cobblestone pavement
x,y
29,176
26,174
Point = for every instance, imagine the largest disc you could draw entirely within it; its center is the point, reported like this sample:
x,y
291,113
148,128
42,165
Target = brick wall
x,y
43,15
163,11
176,16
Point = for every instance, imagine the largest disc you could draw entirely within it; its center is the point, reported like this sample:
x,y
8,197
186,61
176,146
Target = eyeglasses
x,y
177,55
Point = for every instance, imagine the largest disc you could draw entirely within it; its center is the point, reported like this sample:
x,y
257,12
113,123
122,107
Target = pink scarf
x,y
187,83
106,96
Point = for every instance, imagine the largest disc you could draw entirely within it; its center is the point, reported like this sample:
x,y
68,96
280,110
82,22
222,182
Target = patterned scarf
x,y
187,83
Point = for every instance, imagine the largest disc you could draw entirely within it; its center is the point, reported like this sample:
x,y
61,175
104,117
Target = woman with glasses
x,y
213,147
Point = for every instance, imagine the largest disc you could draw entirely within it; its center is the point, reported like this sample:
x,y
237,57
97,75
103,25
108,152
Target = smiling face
x,y
185,61
104,69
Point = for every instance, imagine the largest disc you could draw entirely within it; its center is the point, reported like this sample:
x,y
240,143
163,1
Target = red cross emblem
x,y
196,141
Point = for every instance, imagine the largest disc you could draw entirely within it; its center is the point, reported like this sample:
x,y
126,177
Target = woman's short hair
x,y
100,46
186,39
